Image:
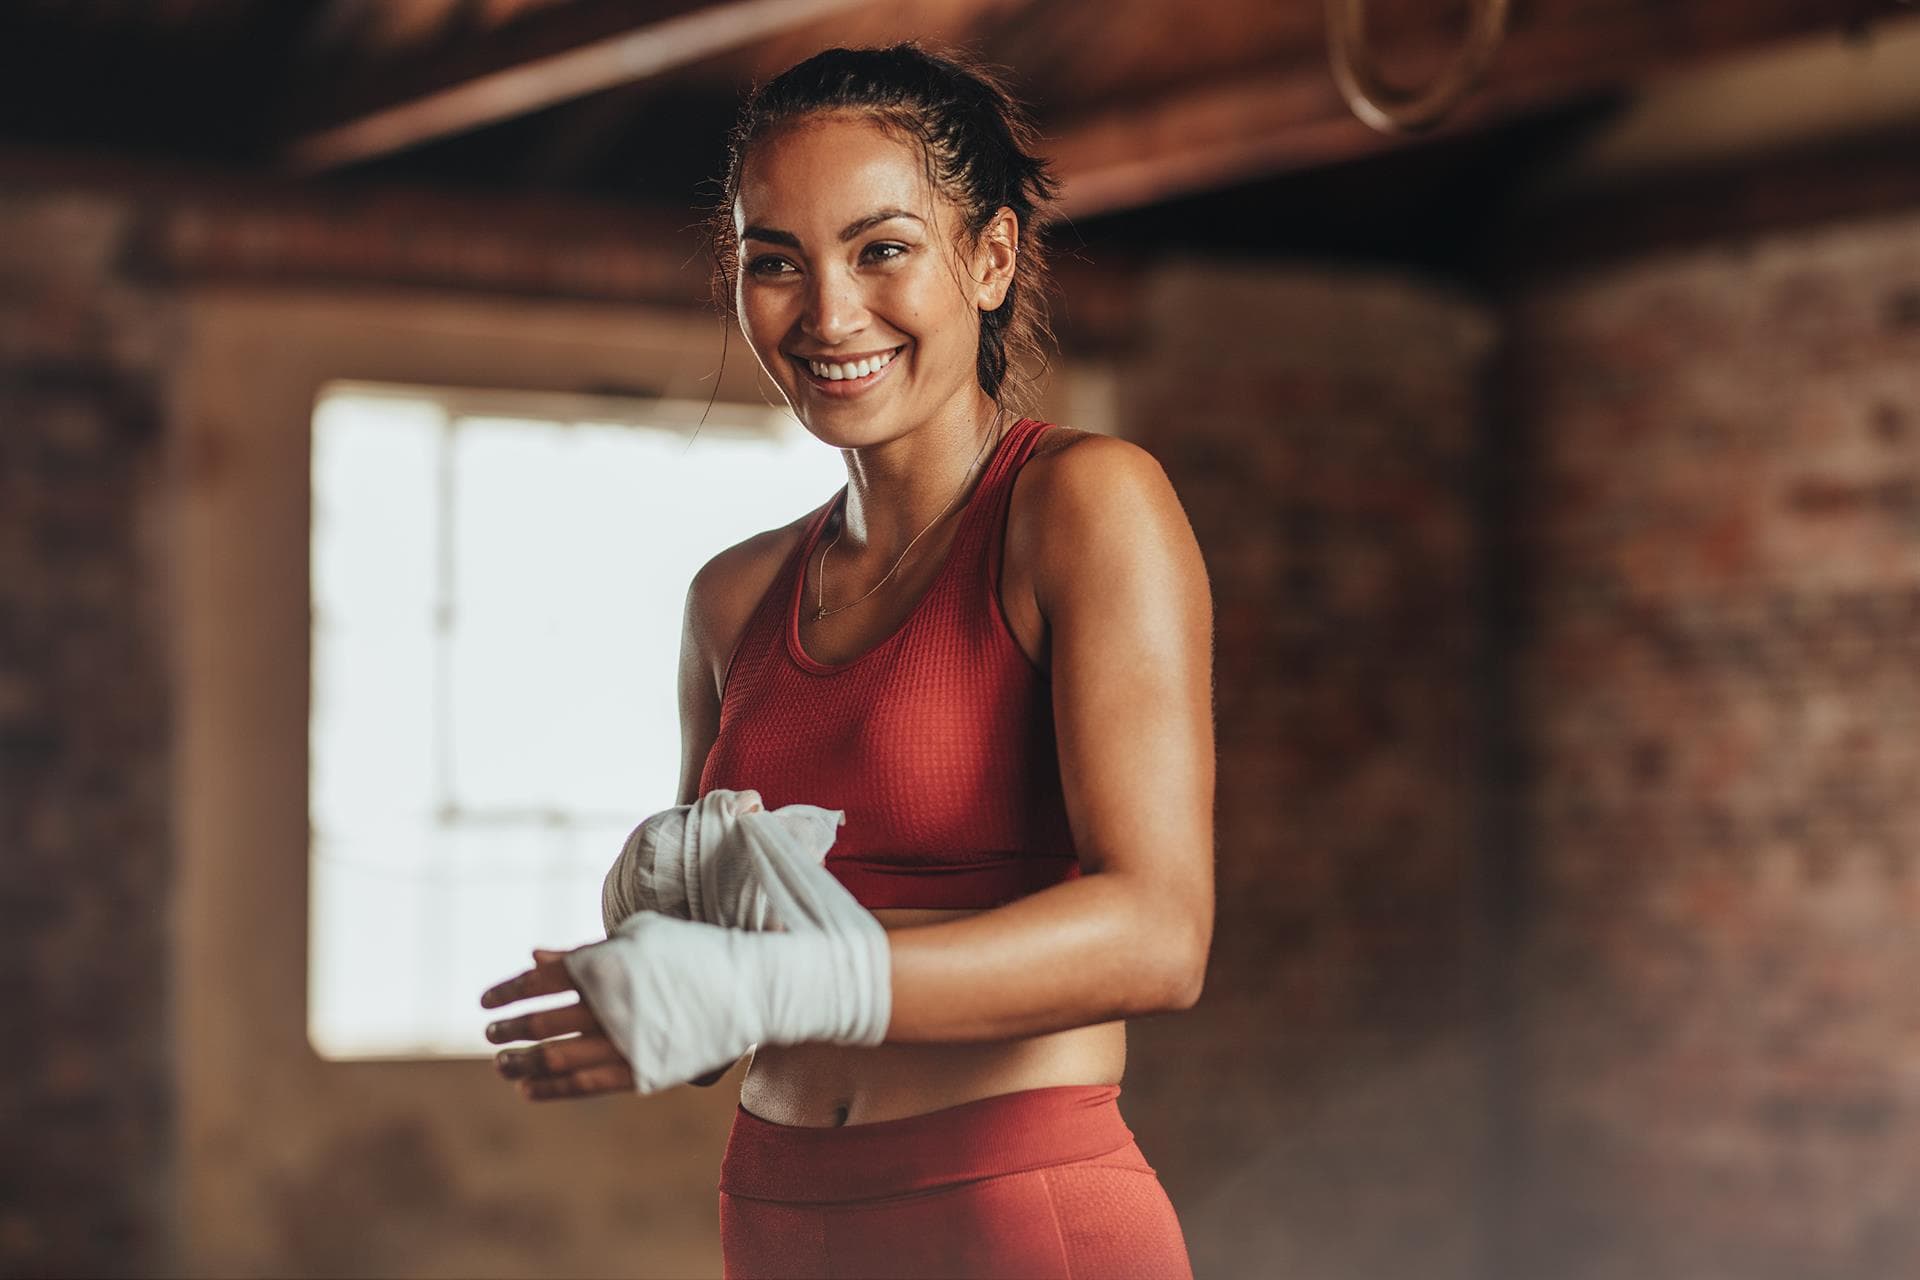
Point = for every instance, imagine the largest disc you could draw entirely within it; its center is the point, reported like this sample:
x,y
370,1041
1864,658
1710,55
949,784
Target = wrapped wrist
x,y
807,987
680,997
691,861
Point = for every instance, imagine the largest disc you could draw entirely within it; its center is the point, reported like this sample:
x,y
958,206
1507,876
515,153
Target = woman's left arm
x,y
1119,577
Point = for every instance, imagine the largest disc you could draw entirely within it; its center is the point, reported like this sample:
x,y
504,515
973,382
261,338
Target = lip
x,y
847,388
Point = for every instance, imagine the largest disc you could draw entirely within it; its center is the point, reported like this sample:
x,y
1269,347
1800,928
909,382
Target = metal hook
x,y
1392,110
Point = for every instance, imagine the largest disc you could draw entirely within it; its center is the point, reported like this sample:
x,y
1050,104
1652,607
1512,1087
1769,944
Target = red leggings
x,y
1043,1184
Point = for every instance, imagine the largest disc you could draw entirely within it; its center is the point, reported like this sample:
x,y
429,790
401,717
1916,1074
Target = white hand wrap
x,y
679,998
680,862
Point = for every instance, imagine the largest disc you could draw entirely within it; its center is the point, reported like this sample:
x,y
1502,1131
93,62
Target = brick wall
x,y
1322,1111
85,862
160,1109
1717,524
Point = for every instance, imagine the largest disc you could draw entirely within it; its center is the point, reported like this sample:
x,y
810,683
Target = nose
x,y
835,309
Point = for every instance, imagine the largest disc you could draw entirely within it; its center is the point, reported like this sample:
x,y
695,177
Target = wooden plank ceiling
x,y
1142,100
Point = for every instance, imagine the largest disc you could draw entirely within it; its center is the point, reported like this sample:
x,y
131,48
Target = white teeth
x,y
858,369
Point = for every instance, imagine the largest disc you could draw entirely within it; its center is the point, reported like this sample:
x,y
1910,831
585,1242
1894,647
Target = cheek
x,y
926,310
761,321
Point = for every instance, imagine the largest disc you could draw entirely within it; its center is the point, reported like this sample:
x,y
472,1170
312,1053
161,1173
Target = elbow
x,y
1173,981
1189,980
1182,978
1190,971
1188,960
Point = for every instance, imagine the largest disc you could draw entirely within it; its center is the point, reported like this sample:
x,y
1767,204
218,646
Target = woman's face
x,y
850,287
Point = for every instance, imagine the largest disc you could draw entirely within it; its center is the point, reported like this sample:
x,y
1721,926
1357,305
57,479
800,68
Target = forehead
x,y
825,170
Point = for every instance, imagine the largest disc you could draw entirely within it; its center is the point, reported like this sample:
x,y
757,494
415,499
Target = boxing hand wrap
x,y
680,998
685,862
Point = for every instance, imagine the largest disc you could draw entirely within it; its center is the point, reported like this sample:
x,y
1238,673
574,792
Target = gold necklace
x,y
820,576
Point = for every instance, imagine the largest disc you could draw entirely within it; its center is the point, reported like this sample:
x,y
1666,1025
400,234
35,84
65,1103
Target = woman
x,y
992,649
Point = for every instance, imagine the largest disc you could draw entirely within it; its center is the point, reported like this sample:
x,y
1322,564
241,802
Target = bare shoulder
x,y
1067,460
1084,498
730,585
749,565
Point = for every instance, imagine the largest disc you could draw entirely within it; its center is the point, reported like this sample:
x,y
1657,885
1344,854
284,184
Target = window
x,y
497,585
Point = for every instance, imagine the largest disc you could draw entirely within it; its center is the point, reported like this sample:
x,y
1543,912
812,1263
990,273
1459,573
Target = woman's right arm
x,y
720,601
699,704
699,683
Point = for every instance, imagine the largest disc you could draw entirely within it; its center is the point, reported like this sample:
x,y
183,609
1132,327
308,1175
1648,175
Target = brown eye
x,y
766,265
874,253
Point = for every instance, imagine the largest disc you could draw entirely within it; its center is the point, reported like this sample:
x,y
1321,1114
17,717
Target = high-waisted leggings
x,y
1042,1184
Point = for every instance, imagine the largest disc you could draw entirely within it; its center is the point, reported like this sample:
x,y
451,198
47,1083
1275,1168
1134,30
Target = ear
x,y
994,257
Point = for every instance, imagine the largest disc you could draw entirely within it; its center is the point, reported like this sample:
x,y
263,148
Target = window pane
x,y
497,604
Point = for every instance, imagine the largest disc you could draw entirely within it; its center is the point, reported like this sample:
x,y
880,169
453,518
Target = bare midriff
x,y
823,1085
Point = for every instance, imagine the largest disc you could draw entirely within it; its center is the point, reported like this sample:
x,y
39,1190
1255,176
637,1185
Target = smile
x,y
850,377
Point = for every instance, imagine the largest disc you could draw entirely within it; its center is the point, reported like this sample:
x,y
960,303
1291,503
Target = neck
x,y
899,488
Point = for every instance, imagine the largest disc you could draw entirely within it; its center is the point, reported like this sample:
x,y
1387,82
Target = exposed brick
x,y
1321,428
1721,697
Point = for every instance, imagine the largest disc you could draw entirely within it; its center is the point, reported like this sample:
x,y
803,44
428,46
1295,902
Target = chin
x,y
847,428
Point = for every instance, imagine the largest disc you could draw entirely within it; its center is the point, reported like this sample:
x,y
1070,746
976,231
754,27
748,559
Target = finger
x,y
617,1078
544,1023
541,980
557,1057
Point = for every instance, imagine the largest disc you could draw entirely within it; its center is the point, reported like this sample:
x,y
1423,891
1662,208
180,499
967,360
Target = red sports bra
x,y
938,741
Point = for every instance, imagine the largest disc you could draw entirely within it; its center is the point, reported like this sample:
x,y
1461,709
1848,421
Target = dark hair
x,y
979,147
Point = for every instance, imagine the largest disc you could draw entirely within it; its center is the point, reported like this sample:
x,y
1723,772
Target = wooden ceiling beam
x,y
1292,116
1195,140
551,57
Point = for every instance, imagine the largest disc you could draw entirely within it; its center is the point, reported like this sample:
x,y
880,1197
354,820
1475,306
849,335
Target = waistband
x,y
879,882
984,1138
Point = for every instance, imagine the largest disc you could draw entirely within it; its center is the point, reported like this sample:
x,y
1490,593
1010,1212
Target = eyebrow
x,y
848,232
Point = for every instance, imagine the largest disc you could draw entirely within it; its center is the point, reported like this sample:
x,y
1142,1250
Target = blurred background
x,y
364,412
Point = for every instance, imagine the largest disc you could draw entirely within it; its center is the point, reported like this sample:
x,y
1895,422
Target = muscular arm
x,y
1119,577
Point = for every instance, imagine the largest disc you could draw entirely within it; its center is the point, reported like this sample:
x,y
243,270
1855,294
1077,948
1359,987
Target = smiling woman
x,y
832,314
1005,685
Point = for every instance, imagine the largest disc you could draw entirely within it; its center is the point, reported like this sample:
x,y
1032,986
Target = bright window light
x,y
498,582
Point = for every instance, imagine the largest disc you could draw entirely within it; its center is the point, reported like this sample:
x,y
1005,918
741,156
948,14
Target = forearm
x,y
1088,950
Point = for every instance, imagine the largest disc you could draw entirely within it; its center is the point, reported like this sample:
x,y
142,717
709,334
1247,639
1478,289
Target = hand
x,y
574,1058
680,998
675,997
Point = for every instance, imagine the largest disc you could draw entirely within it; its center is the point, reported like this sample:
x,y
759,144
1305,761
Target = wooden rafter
x,y
1292,116
521,72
